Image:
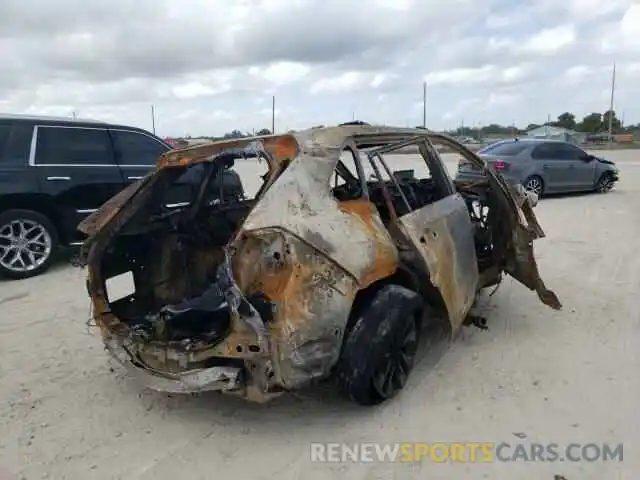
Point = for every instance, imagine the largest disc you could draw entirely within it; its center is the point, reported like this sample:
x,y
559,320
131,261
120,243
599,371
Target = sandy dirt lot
x,y
67,412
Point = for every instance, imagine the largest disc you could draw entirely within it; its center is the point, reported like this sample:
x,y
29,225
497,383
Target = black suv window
x,y
15,143
557,151
508,149
73,146
5,130
136,148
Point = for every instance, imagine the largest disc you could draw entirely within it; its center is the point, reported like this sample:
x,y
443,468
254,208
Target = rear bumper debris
x,y
219,378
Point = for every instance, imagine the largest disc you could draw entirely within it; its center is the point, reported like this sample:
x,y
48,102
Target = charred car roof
x,y
276,149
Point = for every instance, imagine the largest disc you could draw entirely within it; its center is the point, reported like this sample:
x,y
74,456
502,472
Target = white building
x,y
556,133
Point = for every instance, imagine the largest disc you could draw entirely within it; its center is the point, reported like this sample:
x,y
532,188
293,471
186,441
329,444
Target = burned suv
x,y
337,266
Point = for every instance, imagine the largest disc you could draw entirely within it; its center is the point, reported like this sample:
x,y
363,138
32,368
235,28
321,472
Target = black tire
x,y
384,339
534,179
605,183
48,252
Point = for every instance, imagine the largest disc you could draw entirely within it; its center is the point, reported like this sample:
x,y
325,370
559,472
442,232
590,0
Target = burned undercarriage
x,y
332,267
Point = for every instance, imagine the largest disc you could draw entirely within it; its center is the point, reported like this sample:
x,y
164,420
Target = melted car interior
x,y
172,252
158,246
411,189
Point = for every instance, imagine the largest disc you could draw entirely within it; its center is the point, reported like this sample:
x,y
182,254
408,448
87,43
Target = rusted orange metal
x,y
281,147
308,254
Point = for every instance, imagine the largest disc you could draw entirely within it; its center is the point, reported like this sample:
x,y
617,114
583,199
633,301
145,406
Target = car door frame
x,y
50,174
16,175
442,235
581,173
136,172
364,216
554,169
132,173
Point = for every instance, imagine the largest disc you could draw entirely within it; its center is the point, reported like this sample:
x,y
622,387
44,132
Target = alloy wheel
x,y
393,373
605,185
25,245
534,185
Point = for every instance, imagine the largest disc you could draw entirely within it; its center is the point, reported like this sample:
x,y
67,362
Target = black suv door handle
x,y
53,179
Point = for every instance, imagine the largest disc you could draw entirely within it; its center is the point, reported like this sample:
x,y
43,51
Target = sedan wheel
x,y
605,184
534,184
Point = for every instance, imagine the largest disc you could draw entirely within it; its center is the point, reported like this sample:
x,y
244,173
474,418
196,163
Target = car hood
x,y
604,160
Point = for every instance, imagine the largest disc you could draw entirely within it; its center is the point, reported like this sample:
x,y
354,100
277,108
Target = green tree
x,y
264,131
592,123
495,129
616,126
234,134
566,120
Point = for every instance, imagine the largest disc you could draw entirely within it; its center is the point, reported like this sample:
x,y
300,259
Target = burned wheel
x,y
391,377
379,352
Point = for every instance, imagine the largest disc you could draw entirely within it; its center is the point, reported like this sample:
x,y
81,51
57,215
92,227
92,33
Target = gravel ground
x,y
536,376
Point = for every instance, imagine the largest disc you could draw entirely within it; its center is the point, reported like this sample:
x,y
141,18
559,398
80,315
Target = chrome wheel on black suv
x,y
28,241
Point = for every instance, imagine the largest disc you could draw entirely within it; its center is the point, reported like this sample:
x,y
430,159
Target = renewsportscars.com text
x,y
466,452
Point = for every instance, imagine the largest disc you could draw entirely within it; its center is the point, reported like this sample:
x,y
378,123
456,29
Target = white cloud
x,y
282,73
593,9
193,90
341,83
378,80
209,66
550,41
485,74
577,74
502,99
461,76
623,36
516,73
631,69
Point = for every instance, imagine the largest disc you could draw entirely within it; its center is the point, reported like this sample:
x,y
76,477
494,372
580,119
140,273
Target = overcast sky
x,y
210,66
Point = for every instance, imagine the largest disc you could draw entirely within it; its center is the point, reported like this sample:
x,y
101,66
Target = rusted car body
x,y
261,296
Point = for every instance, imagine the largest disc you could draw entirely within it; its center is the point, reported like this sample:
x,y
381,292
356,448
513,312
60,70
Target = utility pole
x,y
273,115
613,87
424,104
153,119
546,127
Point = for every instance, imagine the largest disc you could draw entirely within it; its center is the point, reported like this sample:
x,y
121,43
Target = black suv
x,y
54,172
